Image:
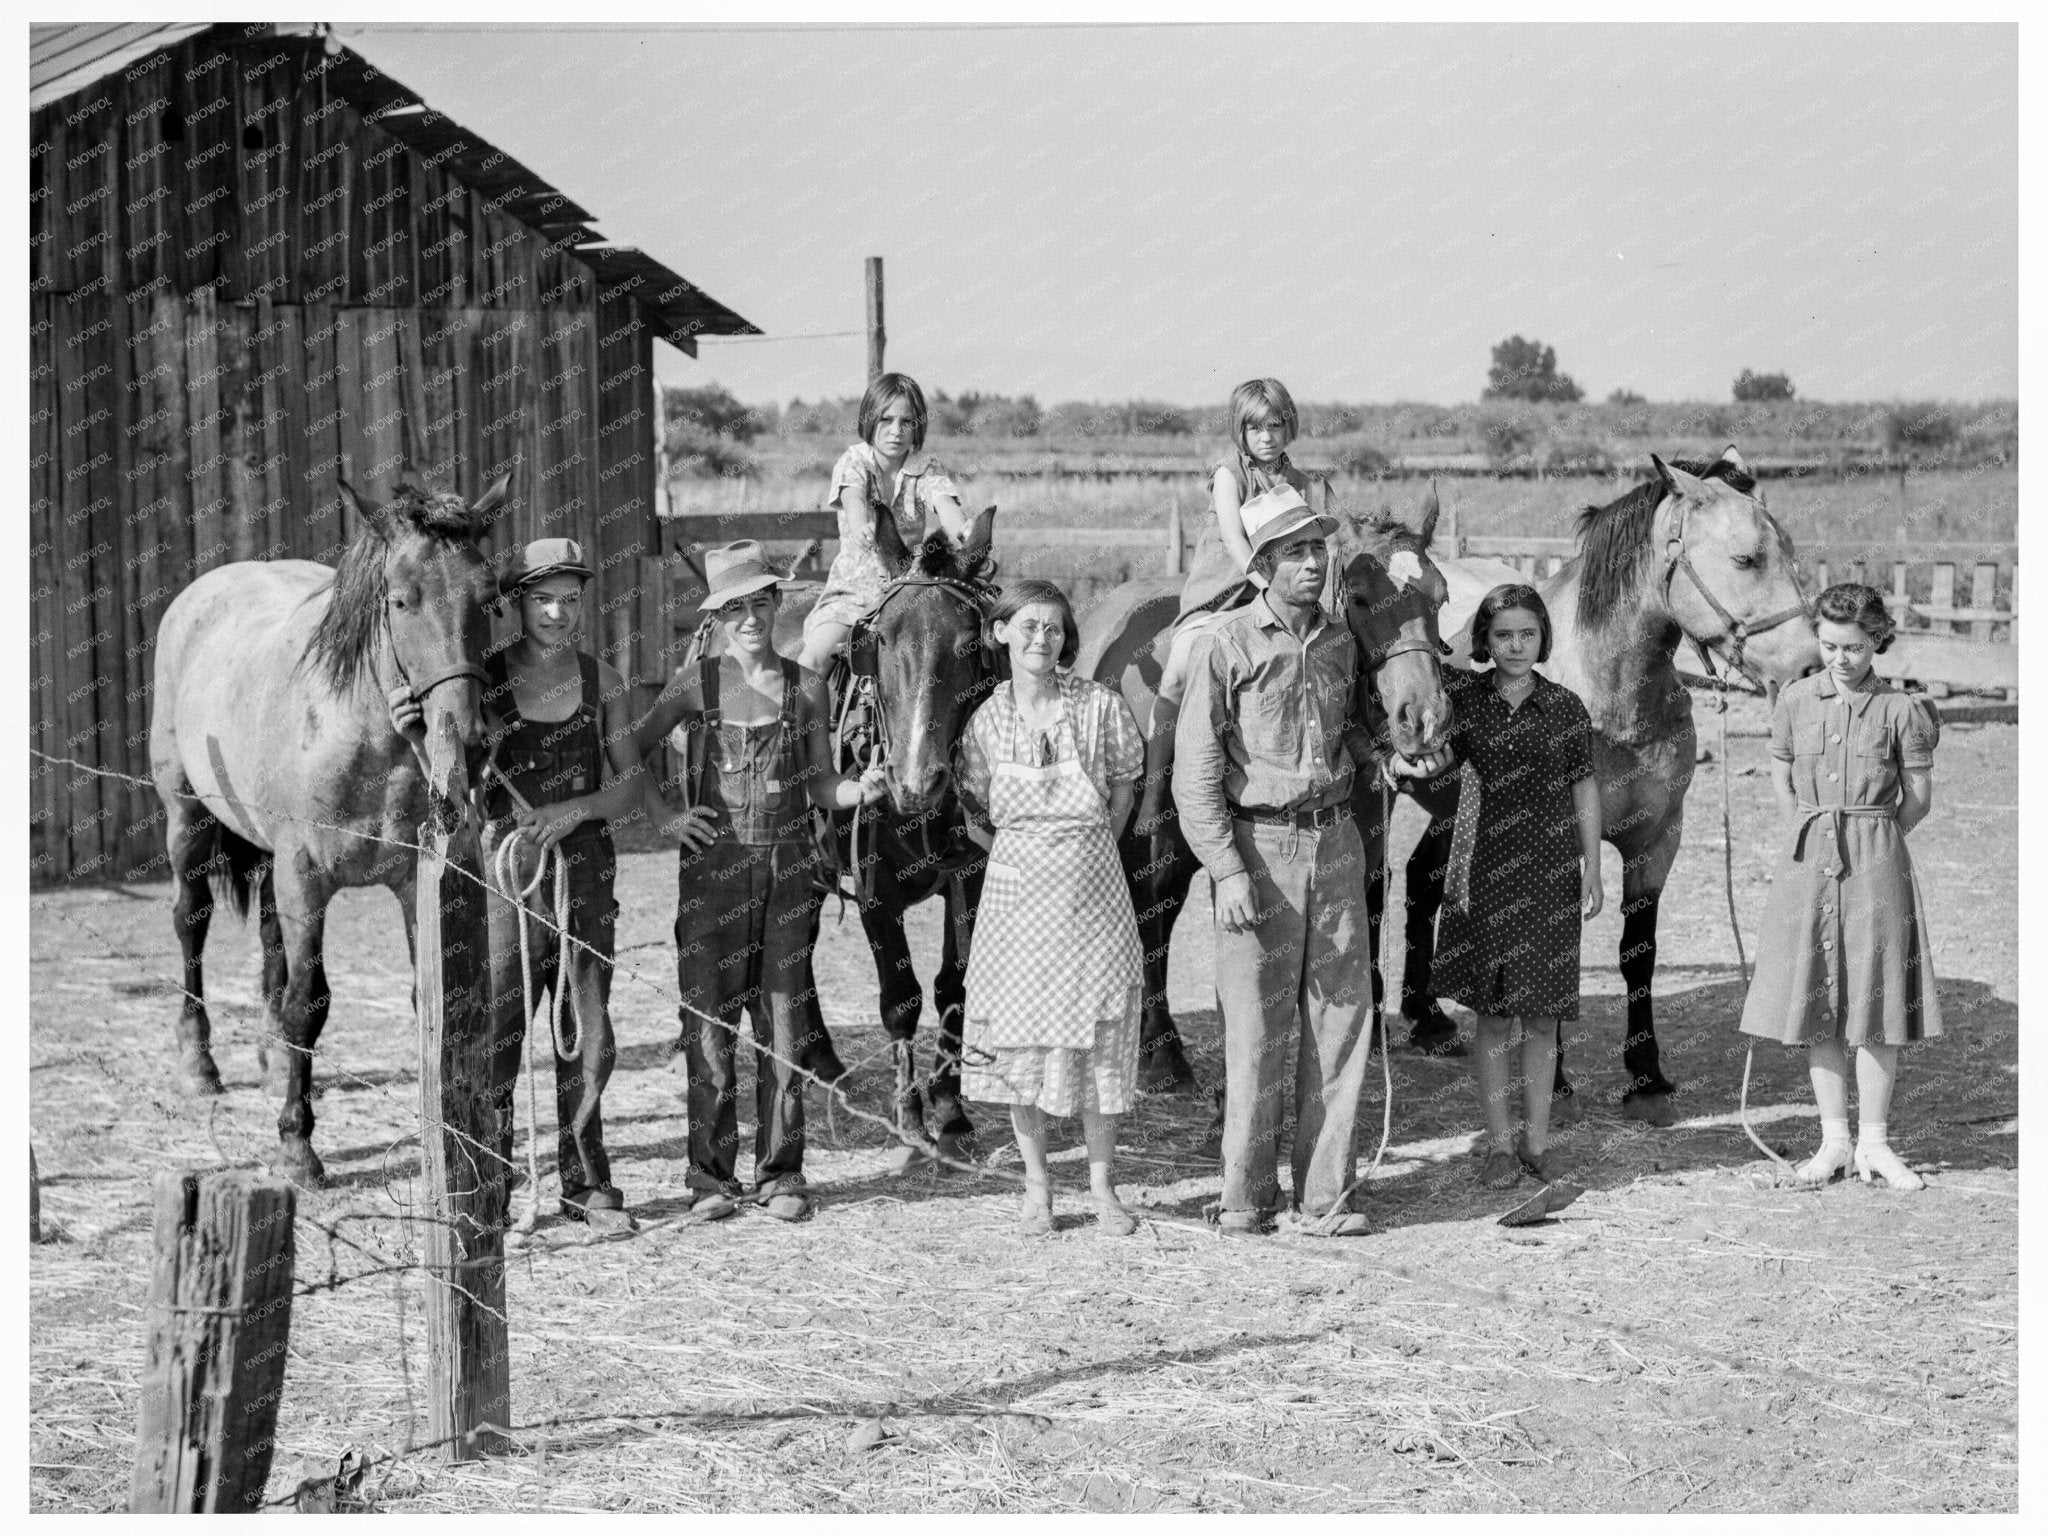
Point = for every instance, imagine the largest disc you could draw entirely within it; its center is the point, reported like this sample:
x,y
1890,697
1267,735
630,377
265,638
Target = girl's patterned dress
x,y
1845,952
1055,972
1508,939
1215,582
909,506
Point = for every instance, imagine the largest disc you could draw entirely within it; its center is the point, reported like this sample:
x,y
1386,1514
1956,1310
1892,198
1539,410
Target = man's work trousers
x,y
1300,970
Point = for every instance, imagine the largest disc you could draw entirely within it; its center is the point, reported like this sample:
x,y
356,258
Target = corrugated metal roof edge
x,y
677,309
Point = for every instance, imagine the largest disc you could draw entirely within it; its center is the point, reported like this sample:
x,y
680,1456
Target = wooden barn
x,y
259,265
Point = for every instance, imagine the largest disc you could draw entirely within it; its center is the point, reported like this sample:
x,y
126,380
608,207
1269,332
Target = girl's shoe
x,y
1825,1166
1500,1170
1034,1216
1882,1162
1542,1166
1112,1220
789,1206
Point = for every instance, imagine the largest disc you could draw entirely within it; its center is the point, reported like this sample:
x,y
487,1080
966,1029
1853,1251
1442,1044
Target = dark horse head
x,y
410,608
1392,591
923,647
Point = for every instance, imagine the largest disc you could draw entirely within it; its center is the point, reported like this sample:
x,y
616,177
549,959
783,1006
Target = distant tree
x,y
1626,397
712,409
1751,386
1527,370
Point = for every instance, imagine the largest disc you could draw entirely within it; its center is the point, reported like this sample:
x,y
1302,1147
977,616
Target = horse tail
x,y
236,867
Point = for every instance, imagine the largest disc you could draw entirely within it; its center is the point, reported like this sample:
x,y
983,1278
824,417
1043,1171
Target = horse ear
x,y
492,501
1682,483
1431,508
980,533
1734,461
372,515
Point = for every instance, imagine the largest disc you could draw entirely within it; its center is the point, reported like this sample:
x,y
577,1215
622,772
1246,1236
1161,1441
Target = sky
x,y
1362,211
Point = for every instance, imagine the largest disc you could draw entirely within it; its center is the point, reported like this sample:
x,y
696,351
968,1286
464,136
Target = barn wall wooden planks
x,y
243,287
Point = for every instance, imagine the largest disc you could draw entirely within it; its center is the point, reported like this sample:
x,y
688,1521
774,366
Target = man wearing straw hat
x,y
747,909
1264,749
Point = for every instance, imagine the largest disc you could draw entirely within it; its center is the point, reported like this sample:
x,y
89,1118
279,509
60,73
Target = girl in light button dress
x,y
888,498
1845,961
1054,972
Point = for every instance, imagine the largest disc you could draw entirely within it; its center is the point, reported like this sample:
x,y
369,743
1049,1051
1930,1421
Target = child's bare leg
x,y
1027,1122
1539,1071
1100,1131
1490,1068
1827,1064
1877,1073
822,641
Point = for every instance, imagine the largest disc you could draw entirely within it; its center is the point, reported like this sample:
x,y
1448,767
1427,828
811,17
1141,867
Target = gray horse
x,y
271,744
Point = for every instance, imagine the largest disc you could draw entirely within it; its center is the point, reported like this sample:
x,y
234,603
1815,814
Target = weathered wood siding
x,y
241,291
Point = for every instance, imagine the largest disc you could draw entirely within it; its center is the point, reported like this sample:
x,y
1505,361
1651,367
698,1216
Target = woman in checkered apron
x,y
1055,973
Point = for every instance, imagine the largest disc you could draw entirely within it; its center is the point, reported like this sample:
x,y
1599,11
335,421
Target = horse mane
x,y
939,558
1615,540
345,640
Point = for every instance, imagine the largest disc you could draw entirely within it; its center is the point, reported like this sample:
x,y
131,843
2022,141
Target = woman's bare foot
x,y
1034,1216
1111,1216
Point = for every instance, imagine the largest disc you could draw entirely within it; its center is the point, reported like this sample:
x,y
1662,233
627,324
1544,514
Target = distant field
x,y
1921,505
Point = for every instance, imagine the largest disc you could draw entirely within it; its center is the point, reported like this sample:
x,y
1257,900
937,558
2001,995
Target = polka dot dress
x,y
1512,949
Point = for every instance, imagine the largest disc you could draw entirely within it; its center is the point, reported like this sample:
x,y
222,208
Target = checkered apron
x,y
1055,947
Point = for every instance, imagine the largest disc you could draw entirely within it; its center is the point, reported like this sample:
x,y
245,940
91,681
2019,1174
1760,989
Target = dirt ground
x,y
1684,1337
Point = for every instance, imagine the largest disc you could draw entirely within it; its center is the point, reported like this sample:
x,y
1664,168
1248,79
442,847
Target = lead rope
x,y
1734,924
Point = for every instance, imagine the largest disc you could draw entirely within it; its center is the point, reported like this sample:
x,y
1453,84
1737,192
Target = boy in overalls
x,y
747,905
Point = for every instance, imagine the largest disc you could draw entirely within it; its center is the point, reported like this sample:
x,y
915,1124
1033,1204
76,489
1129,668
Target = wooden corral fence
x,y
1945,643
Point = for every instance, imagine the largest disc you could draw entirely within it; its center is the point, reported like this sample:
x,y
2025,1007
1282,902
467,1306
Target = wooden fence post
x,y
469,1382
878,336
1174,535
220,1310
35,1200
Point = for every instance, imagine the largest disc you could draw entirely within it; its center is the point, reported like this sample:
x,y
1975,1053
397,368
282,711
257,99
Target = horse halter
x,y
1738,631
862,690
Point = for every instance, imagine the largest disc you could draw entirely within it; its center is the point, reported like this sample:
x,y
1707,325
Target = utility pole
x,y
877,336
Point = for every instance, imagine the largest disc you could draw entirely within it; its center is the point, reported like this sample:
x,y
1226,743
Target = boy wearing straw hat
x,y
562,768
1264,749
747,908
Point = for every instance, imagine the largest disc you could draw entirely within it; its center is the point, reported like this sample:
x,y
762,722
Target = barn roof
x,y
65,59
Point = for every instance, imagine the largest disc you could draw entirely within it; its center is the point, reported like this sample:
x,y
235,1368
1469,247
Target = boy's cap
x,y
544,557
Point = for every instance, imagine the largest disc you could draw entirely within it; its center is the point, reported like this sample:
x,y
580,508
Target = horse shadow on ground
x,y
1956,1106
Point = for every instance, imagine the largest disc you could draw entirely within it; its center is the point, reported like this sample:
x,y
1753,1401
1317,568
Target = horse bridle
x,y
862,685
1736,630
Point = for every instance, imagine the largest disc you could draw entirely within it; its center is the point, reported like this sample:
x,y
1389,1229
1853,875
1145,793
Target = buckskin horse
x,y
272,746
1689,554
1389,590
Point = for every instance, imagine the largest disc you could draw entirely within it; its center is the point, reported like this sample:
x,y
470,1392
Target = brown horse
x,y
271,743
1390,591
1690,554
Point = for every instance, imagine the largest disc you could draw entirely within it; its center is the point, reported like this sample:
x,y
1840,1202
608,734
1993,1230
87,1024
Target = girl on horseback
x,y
887,499
1263,423
1845,962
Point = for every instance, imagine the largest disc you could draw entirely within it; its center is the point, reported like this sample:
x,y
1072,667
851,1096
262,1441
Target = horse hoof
x,y
301,1164
202,1077
1165,1070
1650,1108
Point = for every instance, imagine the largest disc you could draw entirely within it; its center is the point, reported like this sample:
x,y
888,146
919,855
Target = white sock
x,y
1870,1134
1835,1133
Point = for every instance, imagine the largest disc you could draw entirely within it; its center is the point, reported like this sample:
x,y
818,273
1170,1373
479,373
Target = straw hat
x,y
734,570
1280,513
